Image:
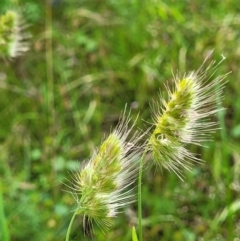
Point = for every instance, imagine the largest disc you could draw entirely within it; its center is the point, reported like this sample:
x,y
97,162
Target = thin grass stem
x,y
49,64
70,226
140,196
225,157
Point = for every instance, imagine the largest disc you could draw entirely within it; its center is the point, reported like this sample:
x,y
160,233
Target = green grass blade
x,y
134,234
4,235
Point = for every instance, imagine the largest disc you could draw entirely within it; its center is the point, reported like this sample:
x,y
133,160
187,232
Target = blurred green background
x,y
87,59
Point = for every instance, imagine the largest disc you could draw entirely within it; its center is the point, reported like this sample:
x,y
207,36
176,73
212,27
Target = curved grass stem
x,y
70,227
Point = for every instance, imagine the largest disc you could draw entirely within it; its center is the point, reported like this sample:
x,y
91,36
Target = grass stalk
x,y
226,169
140,196
49,64
50,84
70,226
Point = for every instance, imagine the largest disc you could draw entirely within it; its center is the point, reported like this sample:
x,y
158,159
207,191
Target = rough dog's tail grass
x,y
102,187
185,118
13,35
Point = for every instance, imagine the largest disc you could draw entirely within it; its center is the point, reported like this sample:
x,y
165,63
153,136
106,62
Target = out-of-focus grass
x,y
106,54
4,234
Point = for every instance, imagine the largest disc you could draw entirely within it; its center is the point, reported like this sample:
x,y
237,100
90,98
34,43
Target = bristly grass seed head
x,y
13,37
185,118
101,188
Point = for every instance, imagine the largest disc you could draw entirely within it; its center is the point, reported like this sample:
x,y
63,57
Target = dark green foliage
x,y
107,54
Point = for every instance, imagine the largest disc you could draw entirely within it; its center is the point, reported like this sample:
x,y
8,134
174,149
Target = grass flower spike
x,y
13,39
185,118
101,188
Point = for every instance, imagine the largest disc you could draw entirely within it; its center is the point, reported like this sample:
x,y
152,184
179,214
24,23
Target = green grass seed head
x,y
13,37
101,187
185,118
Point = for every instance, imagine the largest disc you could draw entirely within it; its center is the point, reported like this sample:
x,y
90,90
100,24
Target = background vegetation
x,y
88,58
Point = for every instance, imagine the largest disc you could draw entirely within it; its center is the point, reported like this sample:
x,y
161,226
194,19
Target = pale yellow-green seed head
x,y
110,153
13,38
101,187
174,117
184,119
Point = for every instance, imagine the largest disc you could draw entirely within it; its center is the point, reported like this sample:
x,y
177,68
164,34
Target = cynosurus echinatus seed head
x,y
13,37
101,188
185,118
